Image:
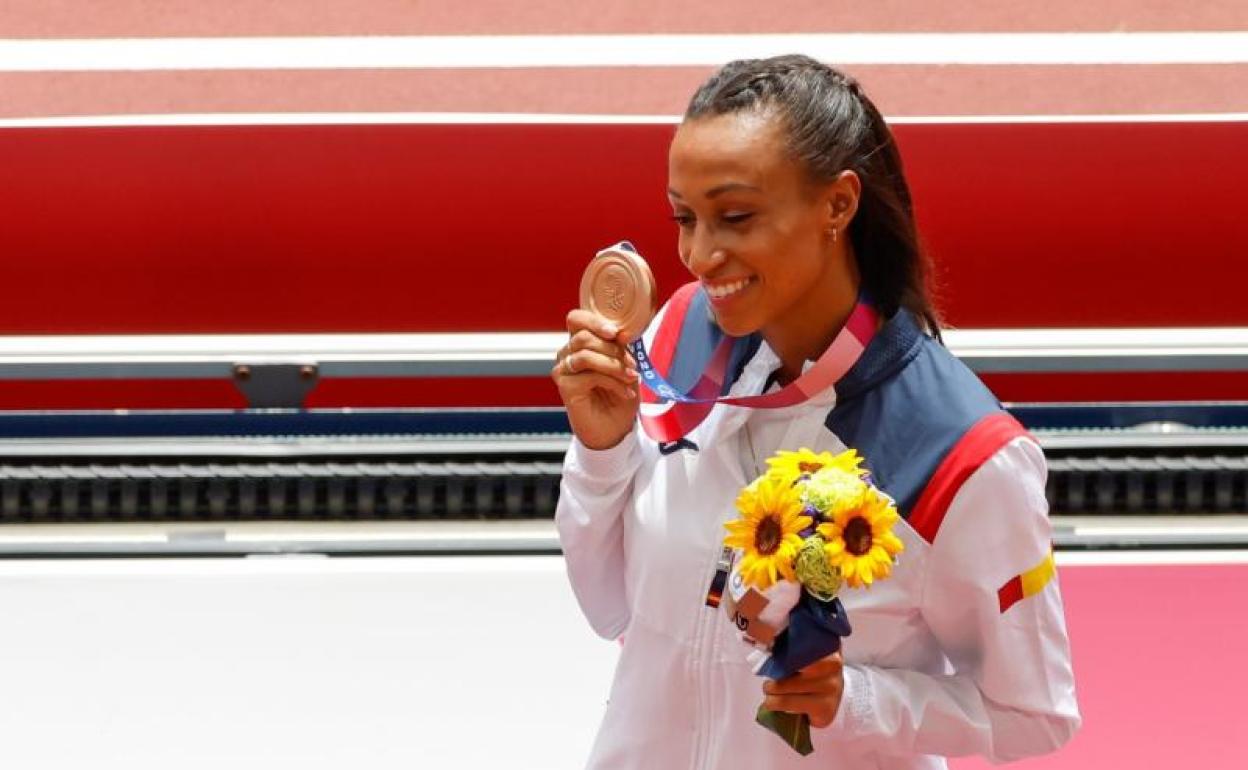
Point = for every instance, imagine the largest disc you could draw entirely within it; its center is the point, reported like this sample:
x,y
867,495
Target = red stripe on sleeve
x,y
1010,593
972,450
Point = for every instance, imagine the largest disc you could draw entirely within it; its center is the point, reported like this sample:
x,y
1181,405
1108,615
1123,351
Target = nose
x,y
701,254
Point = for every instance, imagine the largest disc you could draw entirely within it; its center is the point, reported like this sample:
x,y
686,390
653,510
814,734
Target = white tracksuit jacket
x,y
933,667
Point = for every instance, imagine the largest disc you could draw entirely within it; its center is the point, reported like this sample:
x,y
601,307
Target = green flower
x,y
833,489
820,578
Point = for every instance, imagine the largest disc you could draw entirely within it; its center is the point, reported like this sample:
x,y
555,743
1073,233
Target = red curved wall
x,y
356,228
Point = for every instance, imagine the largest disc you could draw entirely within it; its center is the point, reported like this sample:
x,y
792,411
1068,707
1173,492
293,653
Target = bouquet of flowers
x,y
812,524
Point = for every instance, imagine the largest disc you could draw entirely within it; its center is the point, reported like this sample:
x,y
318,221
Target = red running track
x,y
1159,666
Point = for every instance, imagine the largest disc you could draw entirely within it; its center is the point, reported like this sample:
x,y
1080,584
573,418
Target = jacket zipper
x,y
704,651
704,633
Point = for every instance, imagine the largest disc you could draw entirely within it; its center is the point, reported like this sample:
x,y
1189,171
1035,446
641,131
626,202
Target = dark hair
x,y
832,126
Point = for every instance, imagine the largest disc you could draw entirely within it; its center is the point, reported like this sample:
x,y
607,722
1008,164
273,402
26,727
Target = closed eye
x,y
736,218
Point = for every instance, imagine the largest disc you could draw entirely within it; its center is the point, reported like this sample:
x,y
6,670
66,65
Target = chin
x,y
733,326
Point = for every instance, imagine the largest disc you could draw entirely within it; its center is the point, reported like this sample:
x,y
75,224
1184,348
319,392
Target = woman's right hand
x,y
597,380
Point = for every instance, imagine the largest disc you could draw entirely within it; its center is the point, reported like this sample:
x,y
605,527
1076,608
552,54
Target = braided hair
x,y
832,126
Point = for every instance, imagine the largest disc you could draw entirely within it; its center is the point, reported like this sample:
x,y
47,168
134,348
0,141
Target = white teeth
x,y
726,289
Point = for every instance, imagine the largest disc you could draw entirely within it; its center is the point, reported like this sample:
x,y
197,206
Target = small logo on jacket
x,y
671,447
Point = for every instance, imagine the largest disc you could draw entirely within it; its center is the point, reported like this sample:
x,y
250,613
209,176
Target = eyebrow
x,y
719,189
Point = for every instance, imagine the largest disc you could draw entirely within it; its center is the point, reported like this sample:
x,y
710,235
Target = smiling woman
x,y
763,240
795,219
772,167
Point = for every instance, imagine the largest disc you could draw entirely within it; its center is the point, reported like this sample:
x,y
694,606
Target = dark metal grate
x,y
1148,484
499,489
306,490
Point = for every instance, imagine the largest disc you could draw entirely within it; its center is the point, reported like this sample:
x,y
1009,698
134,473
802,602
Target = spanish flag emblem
x,y
1027,584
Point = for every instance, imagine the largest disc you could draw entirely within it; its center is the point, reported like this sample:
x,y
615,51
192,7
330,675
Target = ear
x,y
841,197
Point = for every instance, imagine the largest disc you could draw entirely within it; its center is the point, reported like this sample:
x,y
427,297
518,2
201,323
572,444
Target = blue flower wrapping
x,y
814,632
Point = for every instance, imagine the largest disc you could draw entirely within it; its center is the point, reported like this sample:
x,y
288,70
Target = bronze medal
x,y
619,286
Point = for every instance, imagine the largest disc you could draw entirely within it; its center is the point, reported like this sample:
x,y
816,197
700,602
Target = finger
x,y
824,667
796,685
583,320
579,319
625,340
818,677
582,361
821,710
575,387
587,340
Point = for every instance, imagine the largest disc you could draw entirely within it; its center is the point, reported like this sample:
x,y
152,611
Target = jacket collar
x,y
894,345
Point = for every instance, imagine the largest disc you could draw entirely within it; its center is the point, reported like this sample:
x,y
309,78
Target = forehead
x,y
747,146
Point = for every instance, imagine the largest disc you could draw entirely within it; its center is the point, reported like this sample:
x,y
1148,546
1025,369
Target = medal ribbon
x,y
685,411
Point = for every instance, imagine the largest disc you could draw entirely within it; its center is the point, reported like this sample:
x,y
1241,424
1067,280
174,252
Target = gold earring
x,y
832,232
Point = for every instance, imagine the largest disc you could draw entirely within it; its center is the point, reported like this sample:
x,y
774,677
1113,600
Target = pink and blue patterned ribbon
x,y
681,412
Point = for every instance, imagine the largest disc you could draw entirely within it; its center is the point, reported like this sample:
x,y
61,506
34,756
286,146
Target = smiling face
x,y
755,231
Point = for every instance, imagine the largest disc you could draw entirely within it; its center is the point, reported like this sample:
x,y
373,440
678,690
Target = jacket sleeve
x,y
595,492
1011,692
594,496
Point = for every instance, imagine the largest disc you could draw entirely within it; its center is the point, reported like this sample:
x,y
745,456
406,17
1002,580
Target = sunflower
x,y
860,540
767,531
805,463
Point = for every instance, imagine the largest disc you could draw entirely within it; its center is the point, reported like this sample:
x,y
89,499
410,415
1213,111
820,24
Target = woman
x,y
791,202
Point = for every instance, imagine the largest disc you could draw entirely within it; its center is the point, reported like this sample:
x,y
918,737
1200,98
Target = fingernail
x,y
632,393
611,329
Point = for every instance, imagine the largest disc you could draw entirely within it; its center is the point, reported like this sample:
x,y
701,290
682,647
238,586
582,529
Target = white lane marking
x,y
339,118
262,564
492,51
1149,558
535,118
166,348
475,535
84,540
1076,349
313,564
1112,531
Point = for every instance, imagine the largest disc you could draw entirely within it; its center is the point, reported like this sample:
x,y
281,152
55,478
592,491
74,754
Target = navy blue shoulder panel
x,y
699,335
904,405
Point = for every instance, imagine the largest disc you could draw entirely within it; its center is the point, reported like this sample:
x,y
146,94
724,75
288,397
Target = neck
x,y
806,331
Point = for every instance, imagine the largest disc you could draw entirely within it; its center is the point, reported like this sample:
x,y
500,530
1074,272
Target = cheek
x,y
778,256
803,254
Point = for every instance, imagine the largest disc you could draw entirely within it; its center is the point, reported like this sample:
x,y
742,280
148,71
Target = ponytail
x,y
832,126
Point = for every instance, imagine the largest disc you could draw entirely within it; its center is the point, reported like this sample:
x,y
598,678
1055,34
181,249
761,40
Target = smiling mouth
x,y
726,290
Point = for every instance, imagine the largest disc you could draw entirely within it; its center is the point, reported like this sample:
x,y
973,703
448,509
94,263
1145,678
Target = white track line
x,y
1148,558
528,118
317,564
1228,344
491,51
284,565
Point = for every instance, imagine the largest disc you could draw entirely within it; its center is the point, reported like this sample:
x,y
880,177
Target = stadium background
x,y
386,662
